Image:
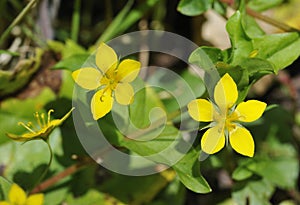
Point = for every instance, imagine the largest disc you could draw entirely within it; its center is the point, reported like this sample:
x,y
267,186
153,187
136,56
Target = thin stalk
x,y
17,20
75,21
264,18
56,178
48,165
271,21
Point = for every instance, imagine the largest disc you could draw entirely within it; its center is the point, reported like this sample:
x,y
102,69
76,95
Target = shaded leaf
x,y
71,63
253,192
279,49
262,5
194,7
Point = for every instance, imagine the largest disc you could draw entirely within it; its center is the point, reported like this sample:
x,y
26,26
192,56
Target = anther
x,y
43,119
49,114
37,116
26,127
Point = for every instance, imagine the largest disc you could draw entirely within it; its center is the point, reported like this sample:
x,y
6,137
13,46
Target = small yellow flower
x,y
42,131
225,117
111,78
17,196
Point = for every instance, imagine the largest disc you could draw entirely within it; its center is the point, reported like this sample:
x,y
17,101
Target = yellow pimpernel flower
x,y
17,196
40,131
110,78
225,117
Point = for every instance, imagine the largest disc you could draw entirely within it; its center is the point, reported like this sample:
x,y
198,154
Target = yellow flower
x,y
17,196
42,131
225,117
111,78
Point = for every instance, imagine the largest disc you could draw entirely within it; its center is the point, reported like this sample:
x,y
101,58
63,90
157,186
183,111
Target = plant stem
x,y
75,21
48,165
17,20
67,172
264,18
271,21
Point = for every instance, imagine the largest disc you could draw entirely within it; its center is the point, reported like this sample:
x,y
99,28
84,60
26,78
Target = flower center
x,y
226,119
41,121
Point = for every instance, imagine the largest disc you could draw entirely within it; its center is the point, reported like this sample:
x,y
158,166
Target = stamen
x,y
26,127
37,116
49,114
43,120
103,93
30,124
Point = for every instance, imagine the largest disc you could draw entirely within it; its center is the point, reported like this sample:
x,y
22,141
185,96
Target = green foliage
x,y
193,8
126,18
255,191
150,127
262,5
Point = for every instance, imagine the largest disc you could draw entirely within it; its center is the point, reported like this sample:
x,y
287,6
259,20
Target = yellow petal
x,y
106,57
226,92
58,122
101,103
250,110
242,142
88,78
128,70
36,199
213,140
26,136
4,203
16,195
201,110
124,93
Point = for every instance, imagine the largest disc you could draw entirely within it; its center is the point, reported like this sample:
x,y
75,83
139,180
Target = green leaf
x,y
253,192
72,48
145,101
241,173
283,172
220,7
126,18
215,54
279,49
239,74
205,61
55,46
188,171
195,83
72,63
251,27
56,195
112,29
66,88
262,5
194,7
240,42
257,68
